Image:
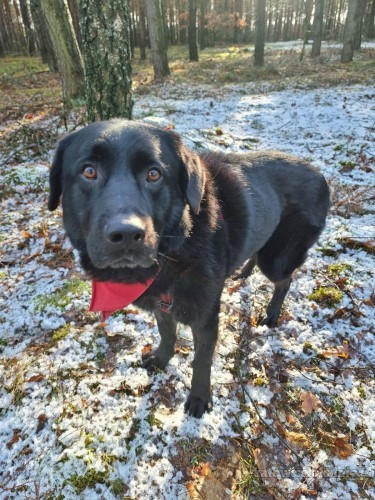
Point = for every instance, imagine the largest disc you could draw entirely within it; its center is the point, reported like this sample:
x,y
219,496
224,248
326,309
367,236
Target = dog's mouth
x,y
125,262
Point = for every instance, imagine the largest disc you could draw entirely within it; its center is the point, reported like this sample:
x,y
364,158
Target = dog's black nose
x,y
125,233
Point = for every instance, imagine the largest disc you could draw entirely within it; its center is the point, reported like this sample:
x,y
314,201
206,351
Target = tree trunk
x,y
30,37
142,30
107,55
307,21
318,28
352,29
192,31
65,47
157,39
43,37
369,24
202,25
73,9
260,33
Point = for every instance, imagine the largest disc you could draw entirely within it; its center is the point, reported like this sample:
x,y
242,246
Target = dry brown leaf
x,y
340,352
26,234
310,402
290,419
146,350
13,440
42,420
192,490
205,469
298,439
342,447
36,378
304,491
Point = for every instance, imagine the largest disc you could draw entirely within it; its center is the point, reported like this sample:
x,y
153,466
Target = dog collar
x,y
108,297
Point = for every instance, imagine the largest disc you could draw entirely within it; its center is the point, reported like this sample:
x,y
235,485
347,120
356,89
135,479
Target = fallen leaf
x,y
304,491
42,420
26,234
310,402
342,447
36,378
340,352
13,440
298,439
146,350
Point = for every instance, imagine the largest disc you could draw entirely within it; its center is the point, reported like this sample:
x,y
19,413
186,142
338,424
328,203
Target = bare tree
x,y
43,36
65,47
369,24
192,31
157,39
352,30
30,36
318,28
260,33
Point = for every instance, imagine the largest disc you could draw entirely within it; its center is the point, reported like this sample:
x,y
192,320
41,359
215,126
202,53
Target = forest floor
x,y
294,406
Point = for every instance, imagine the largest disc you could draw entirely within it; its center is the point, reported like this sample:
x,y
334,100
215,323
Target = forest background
x,y
293,407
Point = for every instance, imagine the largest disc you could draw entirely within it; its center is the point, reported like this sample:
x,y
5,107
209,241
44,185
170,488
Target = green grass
x,y
20,67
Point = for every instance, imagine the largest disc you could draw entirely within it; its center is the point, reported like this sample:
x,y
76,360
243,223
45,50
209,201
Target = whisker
x,y
167,257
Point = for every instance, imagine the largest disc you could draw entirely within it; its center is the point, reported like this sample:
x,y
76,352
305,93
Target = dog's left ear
x,y
55,175
194,178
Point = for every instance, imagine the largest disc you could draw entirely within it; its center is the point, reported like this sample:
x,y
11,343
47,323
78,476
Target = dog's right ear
x,y
194,178
55,175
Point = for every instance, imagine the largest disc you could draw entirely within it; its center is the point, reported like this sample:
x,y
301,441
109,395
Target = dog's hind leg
x,y
274,307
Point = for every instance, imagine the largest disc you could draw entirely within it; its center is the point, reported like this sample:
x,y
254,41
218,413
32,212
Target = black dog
x,y
138,204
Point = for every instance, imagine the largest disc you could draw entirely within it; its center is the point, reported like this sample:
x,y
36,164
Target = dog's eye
x,y
153,175
89,172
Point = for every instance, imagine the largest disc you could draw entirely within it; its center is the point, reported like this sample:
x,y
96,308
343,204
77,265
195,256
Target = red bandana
x,y
109,297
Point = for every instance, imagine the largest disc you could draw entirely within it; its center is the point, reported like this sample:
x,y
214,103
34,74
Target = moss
x,y
326,296
338,268
118,487
308,347
62,297
260,381
89,480
361,392
60,333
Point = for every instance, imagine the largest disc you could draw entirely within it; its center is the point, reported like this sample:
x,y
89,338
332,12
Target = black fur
x,y
203,219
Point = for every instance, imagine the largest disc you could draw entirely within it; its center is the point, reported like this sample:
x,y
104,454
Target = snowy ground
x,y
81,418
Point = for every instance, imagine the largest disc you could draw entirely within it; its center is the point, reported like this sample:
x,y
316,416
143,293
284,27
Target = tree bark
x,y
105,31
73,9
260,33
192,31
369,24
65,47
352,29
43,37
157,39
202,25
142,30
30,36
318,28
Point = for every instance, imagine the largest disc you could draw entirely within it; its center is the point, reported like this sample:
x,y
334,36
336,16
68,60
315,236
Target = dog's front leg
x,y
159,358
205,337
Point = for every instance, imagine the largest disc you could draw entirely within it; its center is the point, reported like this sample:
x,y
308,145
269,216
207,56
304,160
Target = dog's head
x,y
126,188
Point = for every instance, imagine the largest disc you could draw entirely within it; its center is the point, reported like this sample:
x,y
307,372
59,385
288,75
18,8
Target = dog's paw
x,y
152,362
269,321
195,406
